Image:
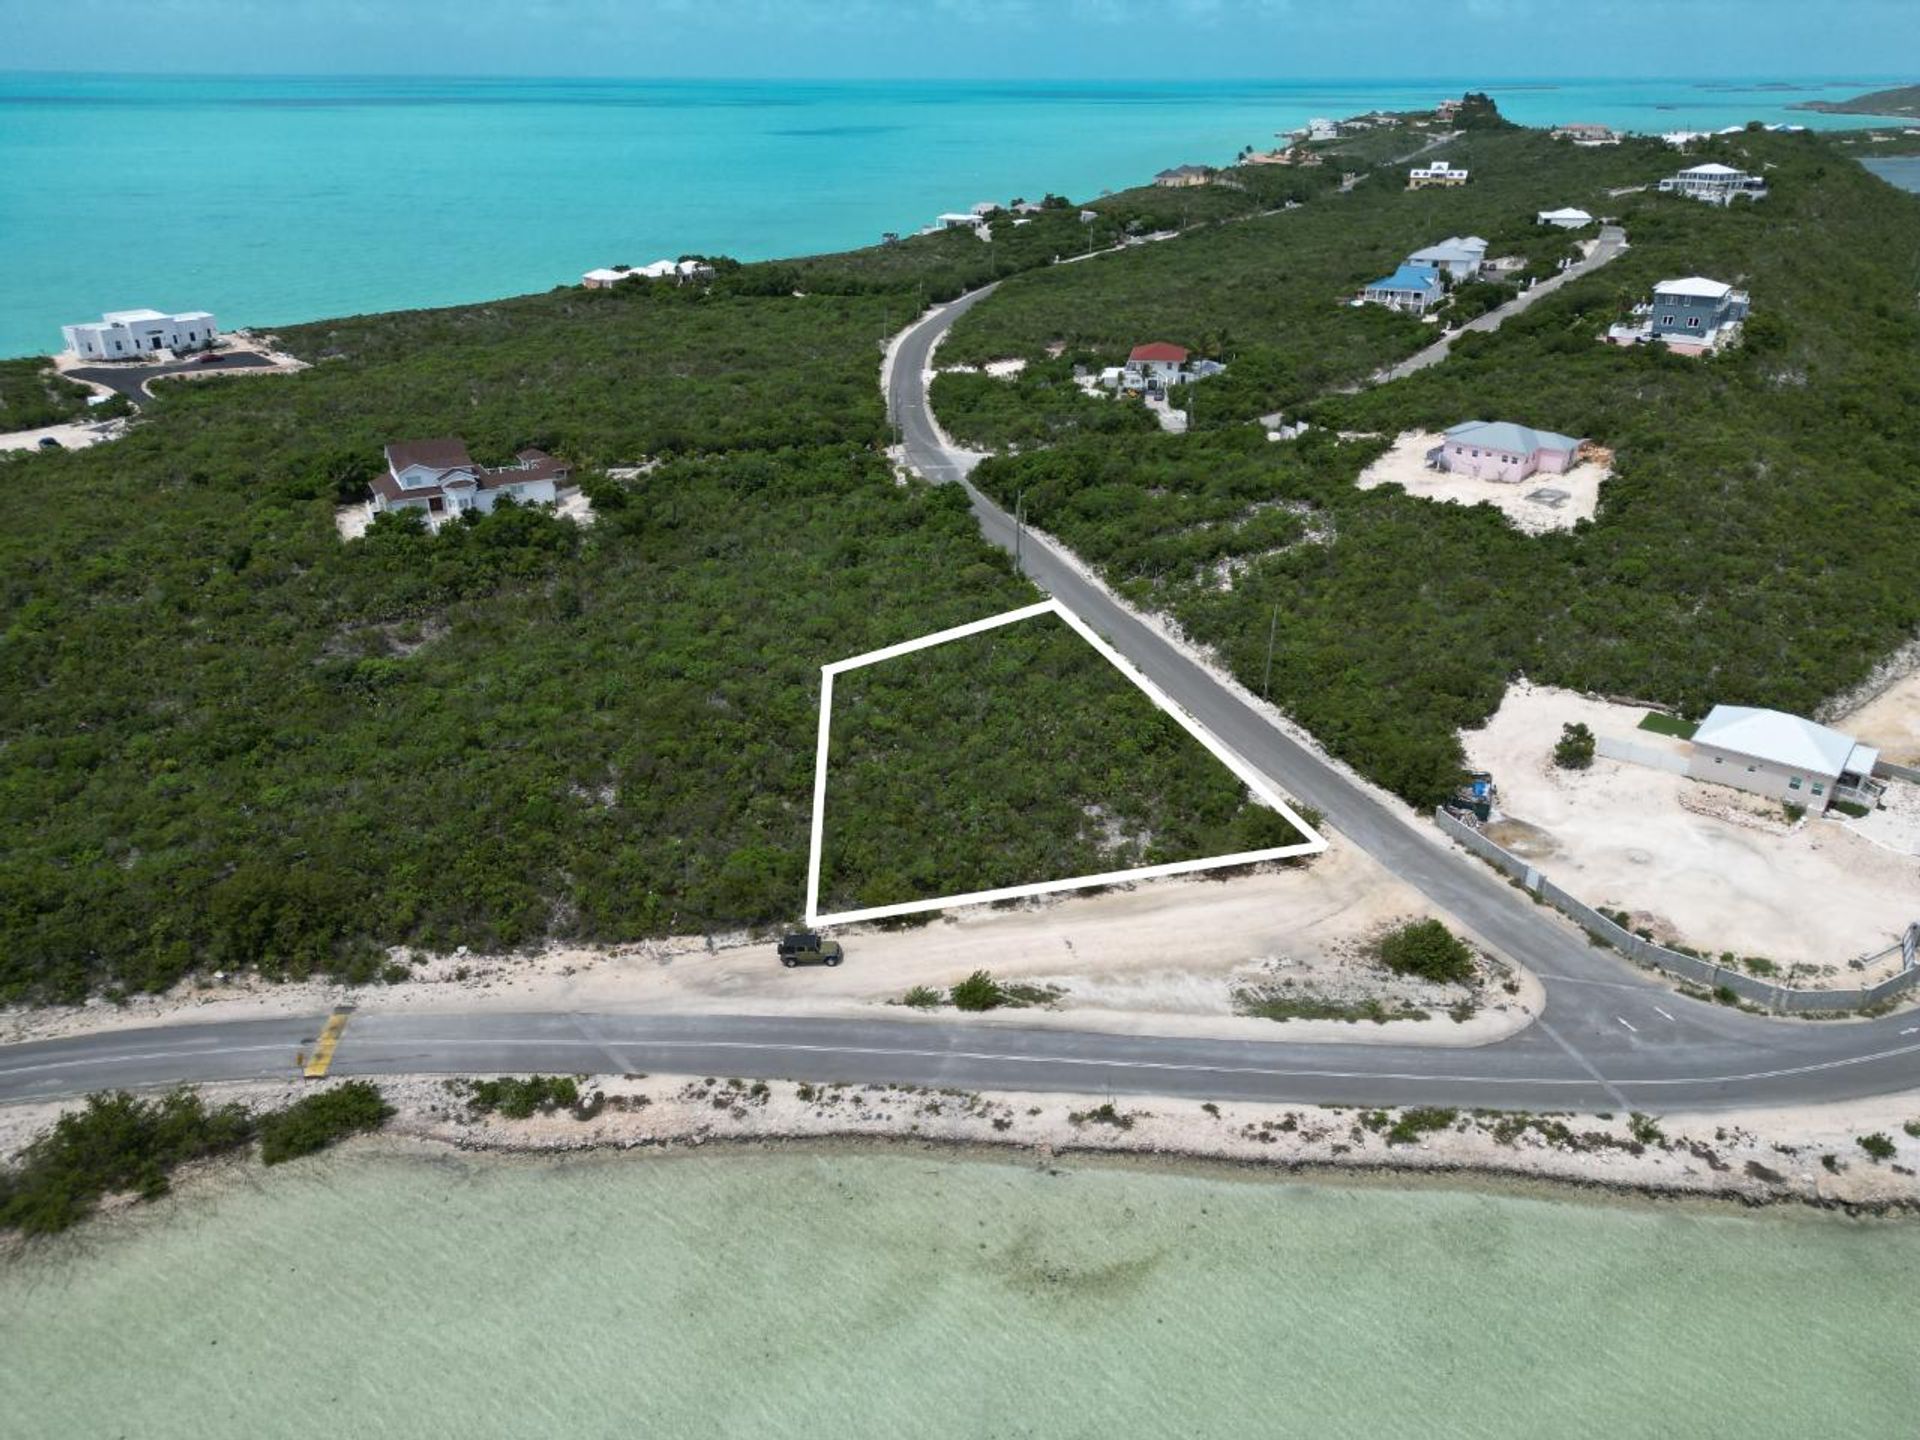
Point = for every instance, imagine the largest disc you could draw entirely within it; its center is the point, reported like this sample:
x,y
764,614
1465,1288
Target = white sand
x,y
1406,465
1701,864
73,435
1890,722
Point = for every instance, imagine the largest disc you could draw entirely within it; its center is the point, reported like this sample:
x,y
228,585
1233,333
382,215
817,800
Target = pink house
x,y
1501,450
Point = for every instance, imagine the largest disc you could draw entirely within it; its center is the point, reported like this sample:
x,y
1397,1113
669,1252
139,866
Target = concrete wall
x,y
1692,968
1651,756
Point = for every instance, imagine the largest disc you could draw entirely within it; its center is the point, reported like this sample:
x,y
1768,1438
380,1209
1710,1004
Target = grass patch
x,y
1661,723
516,1099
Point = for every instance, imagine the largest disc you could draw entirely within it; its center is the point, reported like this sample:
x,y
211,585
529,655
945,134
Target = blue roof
x,y
1513,439
1408,277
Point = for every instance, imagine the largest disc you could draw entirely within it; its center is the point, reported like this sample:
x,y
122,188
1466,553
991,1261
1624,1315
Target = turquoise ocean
x,y
272,200
918,1294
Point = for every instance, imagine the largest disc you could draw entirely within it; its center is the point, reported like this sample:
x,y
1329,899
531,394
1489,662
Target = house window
x,y
1666,319
1819,789
1693,322
1794,783
434,504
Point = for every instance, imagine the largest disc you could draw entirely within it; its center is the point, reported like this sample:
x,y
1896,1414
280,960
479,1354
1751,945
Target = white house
x,y
1781,756
1715,184
1459,257
606,278
124,334
1323,129
1567,219
439,479
1440,172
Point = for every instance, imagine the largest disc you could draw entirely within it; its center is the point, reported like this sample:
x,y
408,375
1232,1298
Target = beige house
x,y
1781,756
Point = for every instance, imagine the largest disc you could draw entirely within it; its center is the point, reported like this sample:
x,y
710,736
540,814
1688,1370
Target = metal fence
x,y
1654,758
1694,968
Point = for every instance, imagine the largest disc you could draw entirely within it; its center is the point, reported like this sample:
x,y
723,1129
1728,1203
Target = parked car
x,y
207,357
47,442
804,947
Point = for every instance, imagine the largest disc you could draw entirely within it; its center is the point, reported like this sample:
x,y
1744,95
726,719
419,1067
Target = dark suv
x,y
803,947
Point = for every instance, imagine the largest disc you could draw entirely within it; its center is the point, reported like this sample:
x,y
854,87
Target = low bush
x,y
1421,1120
516,1099
979,991
1427,949
1878,1147
318,1120
115,1145
923,997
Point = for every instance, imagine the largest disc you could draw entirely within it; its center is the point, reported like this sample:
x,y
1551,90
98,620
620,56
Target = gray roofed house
x,y
1458,256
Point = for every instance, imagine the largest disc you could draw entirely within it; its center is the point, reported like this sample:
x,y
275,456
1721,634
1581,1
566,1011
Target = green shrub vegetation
x,y
924,997
1427,949
316,1121
116,1144
516,1098
1879,1147
1011,757
33,395
1574,749
979,991
1409,1125
1399,621
1279,1003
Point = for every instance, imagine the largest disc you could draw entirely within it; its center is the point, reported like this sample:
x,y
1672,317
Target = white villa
x,y
439,479
682,272
1440,172
1715,184
1567,219
1768,752
125,334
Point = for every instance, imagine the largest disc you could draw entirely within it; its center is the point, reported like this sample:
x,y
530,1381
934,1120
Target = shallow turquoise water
x,y
906,1293
281,199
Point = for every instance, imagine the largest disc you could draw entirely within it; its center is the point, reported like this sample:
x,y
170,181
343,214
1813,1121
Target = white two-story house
x,y
439,479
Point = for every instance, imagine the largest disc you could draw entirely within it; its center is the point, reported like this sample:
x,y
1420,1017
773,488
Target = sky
x,y
971,39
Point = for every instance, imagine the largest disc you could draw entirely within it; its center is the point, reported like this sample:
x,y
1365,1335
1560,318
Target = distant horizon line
x,y
1516,82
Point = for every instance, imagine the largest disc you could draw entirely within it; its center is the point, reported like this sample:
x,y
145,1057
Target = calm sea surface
x,y
274,200
901,1294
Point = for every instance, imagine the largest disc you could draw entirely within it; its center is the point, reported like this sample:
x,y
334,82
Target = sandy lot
x,y
1757,1156
1406,465
1892,722
73,435
352,520
1701,864
1163,957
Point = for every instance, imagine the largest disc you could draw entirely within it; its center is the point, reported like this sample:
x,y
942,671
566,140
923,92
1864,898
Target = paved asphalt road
x,y
130,380
1610,1039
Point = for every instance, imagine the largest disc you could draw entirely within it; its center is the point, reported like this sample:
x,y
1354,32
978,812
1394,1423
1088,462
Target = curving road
x,y
1610,1039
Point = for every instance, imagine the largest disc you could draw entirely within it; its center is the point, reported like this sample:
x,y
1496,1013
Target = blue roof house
x,y
1410,288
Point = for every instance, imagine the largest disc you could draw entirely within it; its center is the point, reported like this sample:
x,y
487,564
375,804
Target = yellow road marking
x,y
323,1048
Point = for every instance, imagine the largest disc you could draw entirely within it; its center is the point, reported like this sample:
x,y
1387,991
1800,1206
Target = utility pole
x,y
1266,685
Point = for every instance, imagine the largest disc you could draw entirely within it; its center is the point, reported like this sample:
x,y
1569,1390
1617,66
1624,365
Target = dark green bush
x,y
1427,949
115,1144
1879,1147
1574,749
979,991
516,1099
316,1121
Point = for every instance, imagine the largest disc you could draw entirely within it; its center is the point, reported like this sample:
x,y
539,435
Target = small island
x,y
1901,100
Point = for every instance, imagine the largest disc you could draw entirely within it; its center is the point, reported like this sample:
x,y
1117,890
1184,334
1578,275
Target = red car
x,y
207,357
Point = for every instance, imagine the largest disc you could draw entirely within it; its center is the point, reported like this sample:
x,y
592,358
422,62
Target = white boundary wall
x,y
1252,779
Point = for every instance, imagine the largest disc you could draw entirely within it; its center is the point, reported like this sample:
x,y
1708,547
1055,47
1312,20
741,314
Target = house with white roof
x,y
1458,257
1566,219
1440,173
1501,450
1690,316
439,479
1716,184
607,277
1781,756
129,334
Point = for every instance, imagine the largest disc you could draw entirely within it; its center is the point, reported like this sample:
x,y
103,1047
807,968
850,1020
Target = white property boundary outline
x,y
1314,844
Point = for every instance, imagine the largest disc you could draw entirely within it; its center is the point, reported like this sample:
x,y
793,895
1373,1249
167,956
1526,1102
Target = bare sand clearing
x,y
1160,957
1701,864
1755,1155
1561,499
1891,722
73,435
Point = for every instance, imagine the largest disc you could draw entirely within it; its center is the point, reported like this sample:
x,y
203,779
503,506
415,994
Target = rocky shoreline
x,y
1809,1156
